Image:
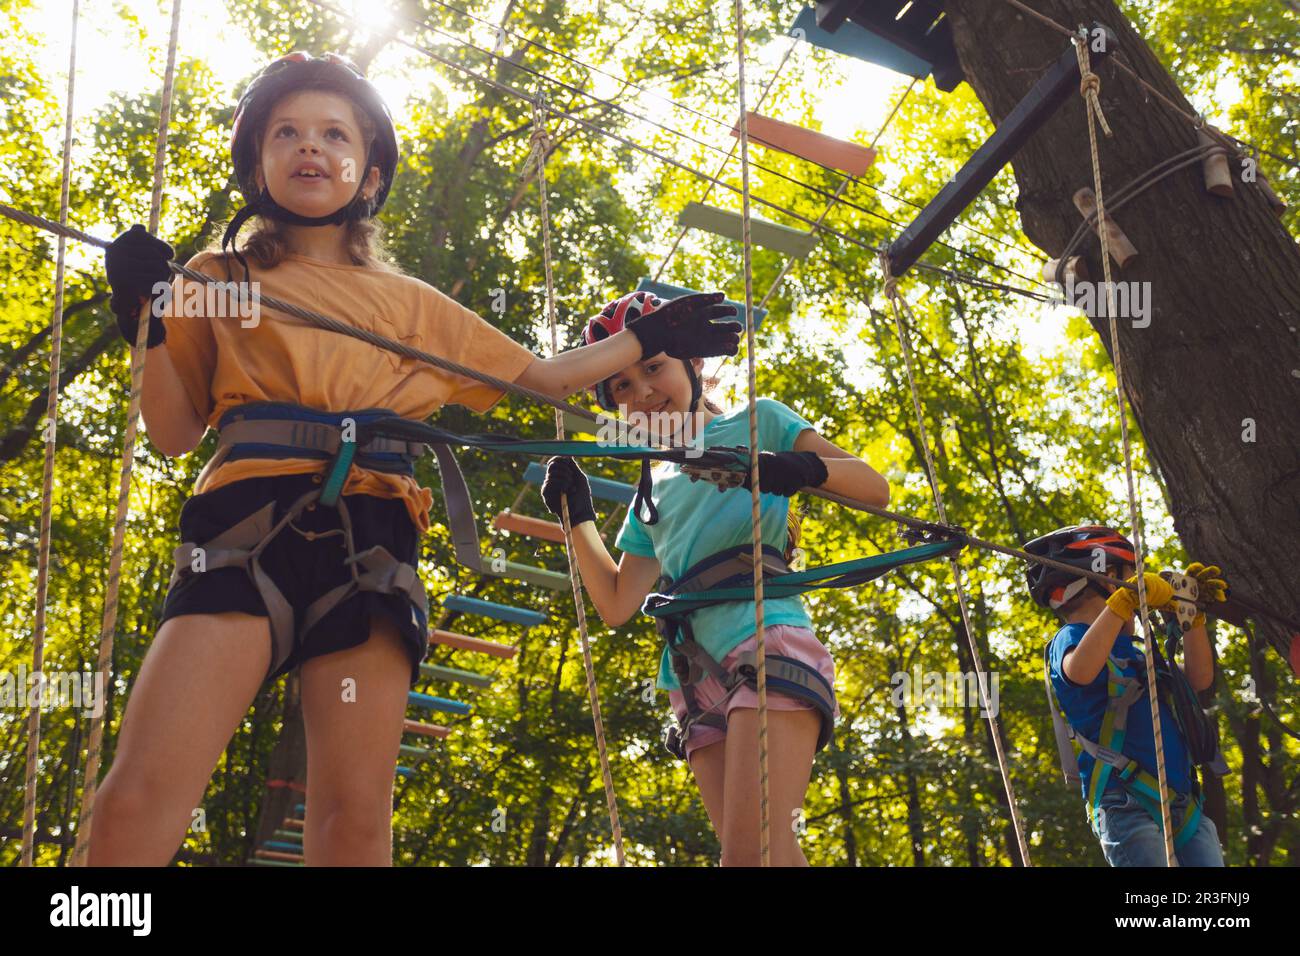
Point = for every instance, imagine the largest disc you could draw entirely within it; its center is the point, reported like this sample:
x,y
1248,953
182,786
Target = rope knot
x,y
891,287
1090,85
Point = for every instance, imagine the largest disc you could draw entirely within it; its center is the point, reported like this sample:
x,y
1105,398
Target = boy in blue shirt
x,y
1094,664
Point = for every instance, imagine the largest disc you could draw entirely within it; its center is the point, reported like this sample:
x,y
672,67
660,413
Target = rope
x,y
541,145
789,262
333,325
1195,119
966,278
708,190
47,479
898,305
1135,517
756,508
85,820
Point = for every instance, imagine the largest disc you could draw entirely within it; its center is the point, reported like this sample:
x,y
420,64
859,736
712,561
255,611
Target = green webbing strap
x,y
339,469
839,575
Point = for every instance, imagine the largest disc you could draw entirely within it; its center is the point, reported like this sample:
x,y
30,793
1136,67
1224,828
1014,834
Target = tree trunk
x,y
1220,354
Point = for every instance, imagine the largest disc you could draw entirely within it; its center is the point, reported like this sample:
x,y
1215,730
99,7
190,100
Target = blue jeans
x,y
1131,837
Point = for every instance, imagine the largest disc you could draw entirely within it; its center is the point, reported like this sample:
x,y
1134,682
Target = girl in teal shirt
x,y
688,521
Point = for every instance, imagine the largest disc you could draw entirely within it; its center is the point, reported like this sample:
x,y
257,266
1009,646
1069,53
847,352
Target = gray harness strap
x,y
241,546
787,674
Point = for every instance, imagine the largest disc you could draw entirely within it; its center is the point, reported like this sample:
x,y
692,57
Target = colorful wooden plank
x,y
463,642
292,836
405,772
425,730
770,235
600,487
282,845
899,28
259,862
666,290
454,675
430,702
278,855
533,527
807,144
418,753
538,577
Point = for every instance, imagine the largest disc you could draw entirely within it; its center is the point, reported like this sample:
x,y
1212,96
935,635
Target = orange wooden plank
x,y
533,527
293,824
464,643
277,855
815,147
426,730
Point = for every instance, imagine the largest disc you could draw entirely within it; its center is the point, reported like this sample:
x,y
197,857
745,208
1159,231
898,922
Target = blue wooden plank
x,y
859,42
300,809
281,845
502,612
600,487
405,772
666,290
429,702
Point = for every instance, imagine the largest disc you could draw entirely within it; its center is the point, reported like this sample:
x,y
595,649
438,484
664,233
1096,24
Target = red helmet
x,y
1077,545
614,318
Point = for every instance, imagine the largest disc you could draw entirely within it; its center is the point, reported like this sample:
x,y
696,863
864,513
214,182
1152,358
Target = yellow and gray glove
x,y
1212,587
1124,602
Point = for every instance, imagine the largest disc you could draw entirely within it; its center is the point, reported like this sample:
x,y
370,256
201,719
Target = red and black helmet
x,y
301,71
614,318
1081,546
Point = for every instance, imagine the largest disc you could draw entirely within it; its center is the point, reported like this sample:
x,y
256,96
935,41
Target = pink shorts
x,y
784,639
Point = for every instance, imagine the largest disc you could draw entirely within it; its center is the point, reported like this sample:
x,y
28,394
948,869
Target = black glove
x,y
785,472
135,262
564,477
687,328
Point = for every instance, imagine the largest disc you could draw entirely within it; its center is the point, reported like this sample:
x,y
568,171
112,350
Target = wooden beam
x,y
808,144
454,675
501,612
425,730
464,643
533,527
538,577
430,702
770,235
1058,84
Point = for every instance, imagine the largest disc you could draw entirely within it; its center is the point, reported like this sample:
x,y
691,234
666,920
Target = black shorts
x,y
303,569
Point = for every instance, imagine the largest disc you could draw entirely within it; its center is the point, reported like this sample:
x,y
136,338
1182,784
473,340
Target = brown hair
x,y
267,243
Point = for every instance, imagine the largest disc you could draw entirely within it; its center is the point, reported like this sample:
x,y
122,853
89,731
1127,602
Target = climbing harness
x,y
1123,688
727,576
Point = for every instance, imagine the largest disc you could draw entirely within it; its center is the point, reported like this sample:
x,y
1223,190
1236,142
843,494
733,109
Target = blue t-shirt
x,y
697,520
1085,705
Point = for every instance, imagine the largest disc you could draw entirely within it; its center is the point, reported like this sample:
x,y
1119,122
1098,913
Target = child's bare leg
x,y
198,679
792,744
352,741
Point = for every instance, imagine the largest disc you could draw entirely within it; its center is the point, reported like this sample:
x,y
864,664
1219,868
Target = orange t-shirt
x,y
283,359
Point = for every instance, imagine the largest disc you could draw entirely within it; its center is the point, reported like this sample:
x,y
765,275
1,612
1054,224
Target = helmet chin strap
x,y
356,209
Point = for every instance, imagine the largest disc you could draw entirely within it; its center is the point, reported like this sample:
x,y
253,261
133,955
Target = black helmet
x,y
1077,545
299,71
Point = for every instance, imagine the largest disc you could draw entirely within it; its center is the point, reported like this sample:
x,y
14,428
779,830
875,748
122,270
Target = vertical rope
x,y
85,820
713,180
541,146
756,508
47,480
897,303
1089,85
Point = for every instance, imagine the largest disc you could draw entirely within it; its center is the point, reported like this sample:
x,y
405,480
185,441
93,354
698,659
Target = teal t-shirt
x,y
697,520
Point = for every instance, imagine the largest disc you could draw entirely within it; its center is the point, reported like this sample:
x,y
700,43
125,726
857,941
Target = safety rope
x,y
898,305
541,145
1089,85
791,260
574,118
1196,120
756,506
722,165
85,820
334,325
47,479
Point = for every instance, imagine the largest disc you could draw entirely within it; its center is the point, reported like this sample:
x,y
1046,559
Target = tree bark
x,y
1221,349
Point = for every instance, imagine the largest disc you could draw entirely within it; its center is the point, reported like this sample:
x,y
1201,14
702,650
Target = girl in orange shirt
x,y
272,574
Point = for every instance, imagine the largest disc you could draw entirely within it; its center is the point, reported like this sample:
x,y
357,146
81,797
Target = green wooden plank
x,y
454,674
770,235
538,577
419,753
